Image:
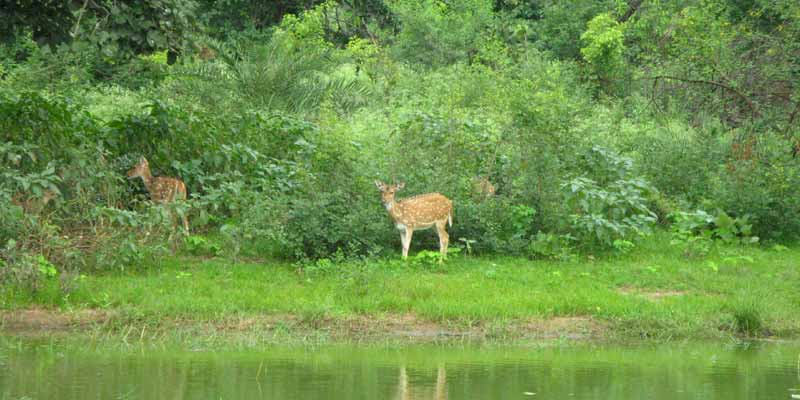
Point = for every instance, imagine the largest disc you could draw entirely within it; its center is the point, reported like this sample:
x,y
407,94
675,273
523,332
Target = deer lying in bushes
x,y
34,204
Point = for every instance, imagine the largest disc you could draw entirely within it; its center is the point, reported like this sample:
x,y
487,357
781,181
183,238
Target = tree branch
x,y
750,104
633,6
78,22
791,118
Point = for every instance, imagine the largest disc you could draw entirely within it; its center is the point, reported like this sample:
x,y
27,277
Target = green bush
x,y
435,33
765,187
604,48
611,206
680,161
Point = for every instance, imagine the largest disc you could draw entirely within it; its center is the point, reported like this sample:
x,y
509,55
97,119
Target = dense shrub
x,y
608,203
681,162
278,127
760,180
457,27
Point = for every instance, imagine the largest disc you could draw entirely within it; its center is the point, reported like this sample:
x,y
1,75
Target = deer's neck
x,y
147,178
394,209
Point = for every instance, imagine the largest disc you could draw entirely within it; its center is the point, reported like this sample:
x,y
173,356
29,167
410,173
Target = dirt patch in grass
x,y
40,321
576,328
653,295
403,327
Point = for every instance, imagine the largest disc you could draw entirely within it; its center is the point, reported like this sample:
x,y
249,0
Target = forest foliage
x,y
596,121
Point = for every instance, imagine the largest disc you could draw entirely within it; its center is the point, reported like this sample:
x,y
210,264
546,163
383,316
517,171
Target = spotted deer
x,y
417,213
162,189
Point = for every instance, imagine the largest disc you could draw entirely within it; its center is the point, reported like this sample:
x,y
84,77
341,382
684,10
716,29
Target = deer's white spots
x,y
416,213
162,189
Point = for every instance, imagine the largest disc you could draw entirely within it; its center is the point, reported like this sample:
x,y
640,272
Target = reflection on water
x,y
75,370
407,392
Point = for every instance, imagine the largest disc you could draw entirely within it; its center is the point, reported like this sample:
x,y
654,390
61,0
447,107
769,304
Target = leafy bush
x,y
548,245
560,24
679,160
22,270
131,239
691,231
436,33
604,48
764,186
199,245
695,231
496,225
611,207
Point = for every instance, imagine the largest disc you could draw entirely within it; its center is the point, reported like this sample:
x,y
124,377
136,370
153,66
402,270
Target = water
x,y
46,369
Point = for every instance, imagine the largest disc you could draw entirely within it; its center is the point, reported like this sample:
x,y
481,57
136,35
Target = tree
x,y
604,46
120,28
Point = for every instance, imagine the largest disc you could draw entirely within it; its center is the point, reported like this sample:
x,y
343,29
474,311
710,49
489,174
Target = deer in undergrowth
x,y
482,188
33,204
416,213
162,189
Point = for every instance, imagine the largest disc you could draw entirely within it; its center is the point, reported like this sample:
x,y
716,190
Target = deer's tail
x,y
450,218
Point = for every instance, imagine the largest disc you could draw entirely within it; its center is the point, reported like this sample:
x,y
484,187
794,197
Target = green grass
x,y
733,291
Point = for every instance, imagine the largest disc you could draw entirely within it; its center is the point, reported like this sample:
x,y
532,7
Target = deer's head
x,y
388,191
481,186
141,169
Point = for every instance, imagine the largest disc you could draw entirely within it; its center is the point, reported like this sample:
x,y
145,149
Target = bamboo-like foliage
x,y
276,76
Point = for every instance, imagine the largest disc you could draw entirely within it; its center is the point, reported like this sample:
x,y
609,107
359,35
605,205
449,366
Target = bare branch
x,y
750,104
78,22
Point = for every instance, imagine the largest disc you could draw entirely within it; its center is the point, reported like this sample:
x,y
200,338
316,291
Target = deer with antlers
x,y
162,189
416,213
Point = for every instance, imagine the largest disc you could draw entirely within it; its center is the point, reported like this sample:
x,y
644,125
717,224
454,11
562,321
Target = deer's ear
x,y
401,185
142,160
379,184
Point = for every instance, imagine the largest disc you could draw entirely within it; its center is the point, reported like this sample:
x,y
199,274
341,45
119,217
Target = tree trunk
x,y
633,5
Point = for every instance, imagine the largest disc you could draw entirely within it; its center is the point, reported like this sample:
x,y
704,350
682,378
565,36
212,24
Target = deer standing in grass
x,y
162,189
416,213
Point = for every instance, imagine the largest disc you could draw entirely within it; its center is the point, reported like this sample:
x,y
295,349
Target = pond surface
x,y
47,369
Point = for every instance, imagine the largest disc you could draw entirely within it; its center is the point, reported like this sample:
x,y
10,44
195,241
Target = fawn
x,y
416,213
34,204
482,188
162,189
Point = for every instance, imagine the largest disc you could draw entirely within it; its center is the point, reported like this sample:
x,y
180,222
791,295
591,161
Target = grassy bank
x,y
653,293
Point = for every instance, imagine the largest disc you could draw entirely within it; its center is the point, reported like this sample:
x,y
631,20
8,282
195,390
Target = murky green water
x,y
45,369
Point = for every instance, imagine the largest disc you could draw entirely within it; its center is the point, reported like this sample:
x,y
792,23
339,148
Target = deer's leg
x,y
173,220
403,241
444,238
185,223
407,241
